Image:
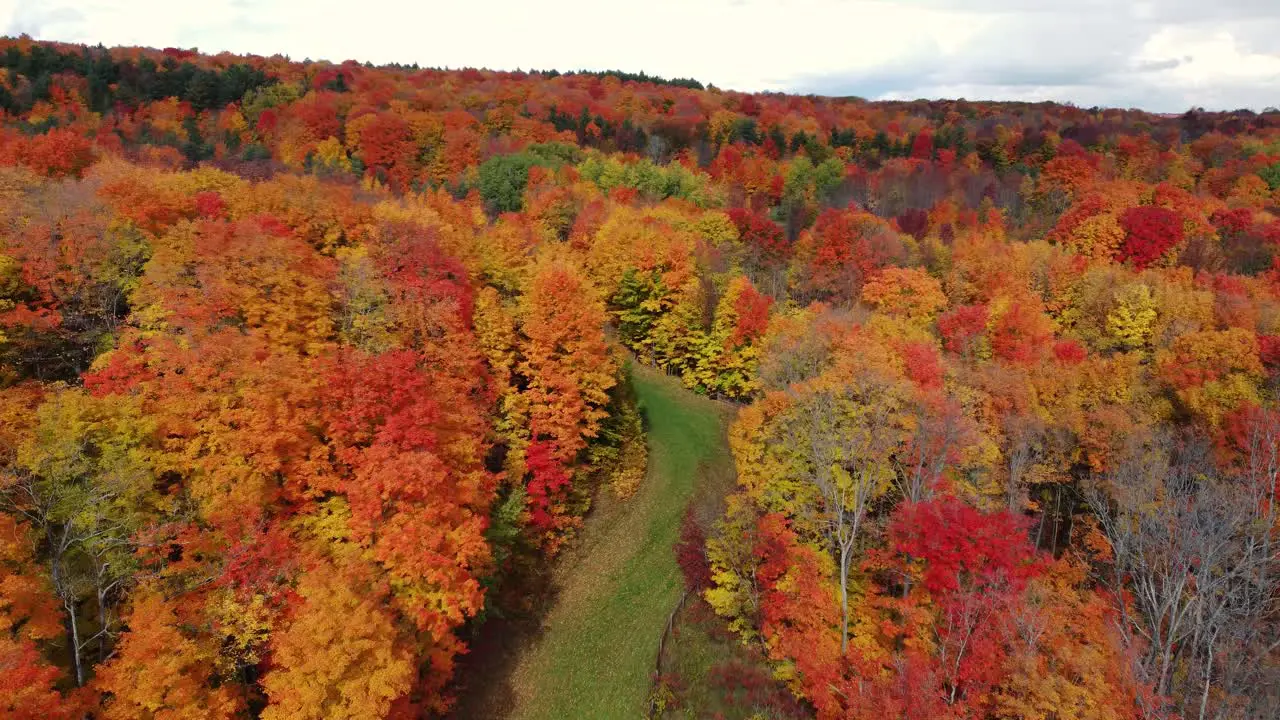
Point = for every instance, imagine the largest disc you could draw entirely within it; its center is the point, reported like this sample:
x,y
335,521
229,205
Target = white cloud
x,y
1093,52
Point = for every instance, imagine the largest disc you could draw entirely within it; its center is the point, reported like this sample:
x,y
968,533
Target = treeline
x,y
110,82
640,77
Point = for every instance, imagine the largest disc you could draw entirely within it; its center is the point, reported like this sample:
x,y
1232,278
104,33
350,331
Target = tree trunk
x,y
102,622
75,641
1166,662
1208,674
844,599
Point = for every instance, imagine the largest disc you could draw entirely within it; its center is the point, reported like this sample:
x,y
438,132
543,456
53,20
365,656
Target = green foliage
x,y
85,481
502,182
745,130
554,155
799,178
506,524
654,182
503,178
255,151
89,458
618,453
265,98
679,337
1271,174
637,305
827,177
805,182
130,82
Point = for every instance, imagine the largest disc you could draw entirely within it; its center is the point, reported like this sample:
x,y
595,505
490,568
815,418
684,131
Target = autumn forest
x,y
315,376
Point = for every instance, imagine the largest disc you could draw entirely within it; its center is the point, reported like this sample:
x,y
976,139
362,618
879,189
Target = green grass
x,y
620,583
691,654
701,644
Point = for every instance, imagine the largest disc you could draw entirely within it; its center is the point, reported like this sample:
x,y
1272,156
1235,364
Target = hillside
x,y
310,372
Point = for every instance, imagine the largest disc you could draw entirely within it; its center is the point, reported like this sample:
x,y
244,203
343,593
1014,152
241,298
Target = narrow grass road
x,y
618,585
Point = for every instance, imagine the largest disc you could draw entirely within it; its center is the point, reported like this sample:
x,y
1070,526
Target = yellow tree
x,y
85,481
1132,321
496,335
910,293
822,452
727,364
1213,372
342,656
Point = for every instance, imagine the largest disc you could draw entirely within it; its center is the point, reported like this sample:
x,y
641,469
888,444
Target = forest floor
x,y
593,655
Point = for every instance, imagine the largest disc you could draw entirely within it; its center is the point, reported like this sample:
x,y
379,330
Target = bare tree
x,y
1024,444
1195,572
939,432
801,353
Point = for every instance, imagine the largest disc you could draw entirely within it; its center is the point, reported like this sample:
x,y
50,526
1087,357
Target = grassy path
x,y
616,588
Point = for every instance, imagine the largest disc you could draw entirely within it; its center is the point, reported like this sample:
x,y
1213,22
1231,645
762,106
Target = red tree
x,y
548,482
922,146
758,232
1021,334
691,553
753,315
1149,233
962,327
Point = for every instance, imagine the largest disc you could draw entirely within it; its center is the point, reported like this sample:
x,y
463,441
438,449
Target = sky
x,y
1158,55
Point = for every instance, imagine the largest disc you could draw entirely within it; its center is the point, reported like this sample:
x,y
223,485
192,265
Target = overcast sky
x,y
1161,55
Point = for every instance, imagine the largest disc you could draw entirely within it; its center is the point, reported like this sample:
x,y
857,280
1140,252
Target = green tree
x,y
502,182
1271,174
